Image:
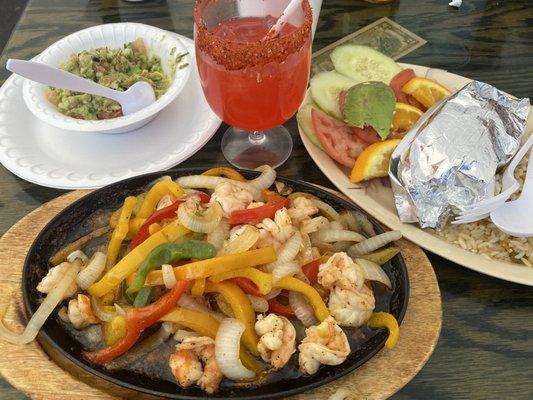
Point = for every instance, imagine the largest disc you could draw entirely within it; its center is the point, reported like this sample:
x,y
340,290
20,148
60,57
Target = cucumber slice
x,y
306,123
325,89
364,64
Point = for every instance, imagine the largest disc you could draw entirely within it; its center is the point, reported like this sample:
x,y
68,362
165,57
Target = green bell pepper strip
x,y
167,254
143,297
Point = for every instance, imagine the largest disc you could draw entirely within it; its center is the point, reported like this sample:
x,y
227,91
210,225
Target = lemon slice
x,y
426,91
405,116
374,161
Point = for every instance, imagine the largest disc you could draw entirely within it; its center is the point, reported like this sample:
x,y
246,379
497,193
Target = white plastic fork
x,y
483,208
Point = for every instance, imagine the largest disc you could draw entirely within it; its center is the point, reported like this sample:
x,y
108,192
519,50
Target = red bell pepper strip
x,y
254,215
159,215
310,270
276,307
137,320
248,286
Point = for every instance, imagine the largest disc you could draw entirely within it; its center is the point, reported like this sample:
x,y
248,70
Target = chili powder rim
x,y
234,55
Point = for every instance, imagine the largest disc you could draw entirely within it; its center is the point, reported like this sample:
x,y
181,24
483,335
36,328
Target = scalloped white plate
x,y
378,201
48,156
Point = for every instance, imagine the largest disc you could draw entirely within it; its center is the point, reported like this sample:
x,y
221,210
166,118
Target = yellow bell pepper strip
x,y
114,330
380,257
167,253
262,280
120,231
155,227
386,320
198,321
206,325
155,194
198,287
242,310
134,258
113,220
296,285
226,172
216,265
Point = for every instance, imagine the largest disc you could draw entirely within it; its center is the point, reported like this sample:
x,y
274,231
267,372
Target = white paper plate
x,y
48,156
378,201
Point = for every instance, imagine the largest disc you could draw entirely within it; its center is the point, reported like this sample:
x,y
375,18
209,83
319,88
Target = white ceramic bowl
x,y
157,41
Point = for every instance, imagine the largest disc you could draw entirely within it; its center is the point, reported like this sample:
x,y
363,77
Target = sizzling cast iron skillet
x,y
73,222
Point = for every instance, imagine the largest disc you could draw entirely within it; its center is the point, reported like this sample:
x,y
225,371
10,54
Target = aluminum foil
x,y
448,160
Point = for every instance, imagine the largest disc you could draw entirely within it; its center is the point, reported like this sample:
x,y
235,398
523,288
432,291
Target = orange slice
x,y
374,161
405,115
426,91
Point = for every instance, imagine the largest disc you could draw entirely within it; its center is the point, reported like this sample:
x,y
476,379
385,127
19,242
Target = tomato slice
x,y
367,134
400,79
337,138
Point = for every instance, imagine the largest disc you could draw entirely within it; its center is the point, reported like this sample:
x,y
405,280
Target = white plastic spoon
x,y
516,217
137,97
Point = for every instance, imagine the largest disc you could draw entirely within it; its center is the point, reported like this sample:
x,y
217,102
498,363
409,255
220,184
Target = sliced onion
x,y
332,236
146,346
259,304
374,243
283,189
364,224
205,223
51,301
336,225
182,334
99,312
169,279
63,314
348,220
62,254
192,303
211,182
313,224
221,232
288,251
303,311
266,179
224,306
341,246
326,209
373,272
273,294
91,272
242,242
286,269
120,310
77,254
227,345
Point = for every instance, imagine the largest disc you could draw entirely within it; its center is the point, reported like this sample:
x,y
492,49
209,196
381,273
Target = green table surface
x,y
486,346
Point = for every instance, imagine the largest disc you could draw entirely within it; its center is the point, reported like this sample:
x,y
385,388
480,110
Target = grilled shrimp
x,y
341,271
53,277
280,228
231,197
80,313
351,302
351,308
323,344
301,209
277,339
186,364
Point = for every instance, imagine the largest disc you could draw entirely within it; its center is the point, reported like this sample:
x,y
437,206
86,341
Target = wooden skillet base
x,y
33,372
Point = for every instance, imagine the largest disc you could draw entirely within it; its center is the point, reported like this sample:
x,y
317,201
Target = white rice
x,y
484,238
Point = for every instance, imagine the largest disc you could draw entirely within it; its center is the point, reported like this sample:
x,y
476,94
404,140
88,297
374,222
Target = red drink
x,y
256,97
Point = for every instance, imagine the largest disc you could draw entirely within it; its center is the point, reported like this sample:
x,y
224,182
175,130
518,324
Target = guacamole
x,y
114,68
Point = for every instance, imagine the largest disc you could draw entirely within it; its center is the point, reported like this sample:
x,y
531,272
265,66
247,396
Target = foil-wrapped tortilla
x,y
448,160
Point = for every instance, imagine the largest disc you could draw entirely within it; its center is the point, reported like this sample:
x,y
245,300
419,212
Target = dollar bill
x,y
383,35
